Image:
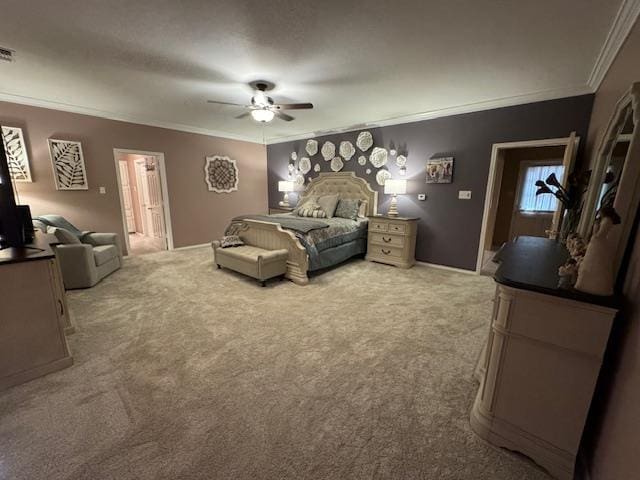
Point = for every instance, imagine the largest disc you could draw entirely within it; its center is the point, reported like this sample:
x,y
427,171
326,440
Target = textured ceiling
x,y
159,61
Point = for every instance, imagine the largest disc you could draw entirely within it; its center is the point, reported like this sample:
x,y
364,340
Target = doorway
x,y
144,201
512,208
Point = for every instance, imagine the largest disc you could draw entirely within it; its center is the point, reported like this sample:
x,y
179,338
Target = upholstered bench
x,y
255,262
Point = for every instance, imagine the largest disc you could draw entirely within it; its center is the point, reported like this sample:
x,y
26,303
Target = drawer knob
x,y
386,252
386,240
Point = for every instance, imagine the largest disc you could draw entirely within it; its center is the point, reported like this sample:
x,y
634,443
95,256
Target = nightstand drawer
x,y
389,239
384,252
378,226
397,227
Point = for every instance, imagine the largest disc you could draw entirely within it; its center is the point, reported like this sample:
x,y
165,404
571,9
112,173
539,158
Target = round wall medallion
x,y
401,161
316,167
362,160
347,150
368,171
304,165
382,176
336,164
378,157
328,151
312,147
364,141
294,156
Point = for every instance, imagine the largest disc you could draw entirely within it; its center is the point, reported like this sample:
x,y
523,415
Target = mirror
x,y
615,177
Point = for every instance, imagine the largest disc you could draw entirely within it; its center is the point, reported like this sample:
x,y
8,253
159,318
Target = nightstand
x,y
273,210
392,240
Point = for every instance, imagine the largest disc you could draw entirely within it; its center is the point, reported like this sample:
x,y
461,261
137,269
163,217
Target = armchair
x,y
85,258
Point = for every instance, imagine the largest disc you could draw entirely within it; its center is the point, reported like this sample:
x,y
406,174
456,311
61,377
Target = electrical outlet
x,y
464,194
422,196
102,190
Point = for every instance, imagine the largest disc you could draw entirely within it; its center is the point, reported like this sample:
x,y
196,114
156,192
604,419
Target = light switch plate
x,y
102,190
422,196
464,194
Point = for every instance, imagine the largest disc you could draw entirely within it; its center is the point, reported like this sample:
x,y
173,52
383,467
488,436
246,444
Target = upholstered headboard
x,y
345,184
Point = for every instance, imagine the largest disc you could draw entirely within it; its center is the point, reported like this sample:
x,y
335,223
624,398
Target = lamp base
x,y
285,201
393,208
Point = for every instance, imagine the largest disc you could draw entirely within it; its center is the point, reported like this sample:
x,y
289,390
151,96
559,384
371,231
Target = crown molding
x,y
94,112
623,23
551,94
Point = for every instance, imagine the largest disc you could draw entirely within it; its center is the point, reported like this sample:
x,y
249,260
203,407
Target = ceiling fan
x,y
262,107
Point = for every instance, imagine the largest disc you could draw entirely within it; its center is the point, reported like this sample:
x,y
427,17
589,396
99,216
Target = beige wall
x,y
612,439
197,215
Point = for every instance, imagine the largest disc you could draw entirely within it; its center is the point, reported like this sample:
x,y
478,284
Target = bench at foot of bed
x,y
256,262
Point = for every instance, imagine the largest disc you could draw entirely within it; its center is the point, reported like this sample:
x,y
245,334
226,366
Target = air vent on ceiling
x,y
6,54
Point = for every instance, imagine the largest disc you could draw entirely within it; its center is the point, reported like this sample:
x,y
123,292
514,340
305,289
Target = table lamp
x,y
286,187
395,188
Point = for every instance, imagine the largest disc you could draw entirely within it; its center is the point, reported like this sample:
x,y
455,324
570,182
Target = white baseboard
x,y
189,247
445,267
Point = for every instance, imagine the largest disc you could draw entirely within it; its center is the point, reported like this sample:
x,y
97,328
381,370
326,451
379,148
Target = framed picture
x,y
17,158
69,172
440,170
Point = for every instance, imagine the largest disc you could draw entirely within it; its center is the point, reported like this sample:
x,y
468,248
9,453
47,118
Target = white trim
x,y
447,268
165,192
119,117
512,101
623,23
191,247
492,181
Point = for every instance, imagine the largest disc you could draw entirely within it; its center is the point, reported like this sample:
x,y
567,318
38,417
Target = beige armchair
x,y
85,258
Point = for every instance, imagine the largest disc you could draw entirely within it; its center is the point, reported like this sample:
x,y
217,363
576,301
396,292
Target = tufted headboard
x,y
345,184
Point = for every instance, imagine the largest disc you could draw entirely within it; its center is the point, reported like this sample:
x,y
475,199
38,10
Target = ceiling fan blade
x,y
292,106
225,103
243,115
283,116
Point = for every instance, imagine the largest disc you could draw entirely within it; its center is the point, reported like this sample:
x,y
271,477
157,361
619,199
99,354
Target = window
x,y
529,202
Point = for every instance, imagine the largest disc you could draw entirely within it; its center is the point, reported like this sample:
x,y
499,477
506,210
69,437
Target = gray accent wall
x,y
449,228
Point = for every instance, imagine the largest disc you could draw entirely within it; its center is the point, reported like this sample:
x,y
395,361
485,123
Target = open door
x,y
567,162
126,196
152,207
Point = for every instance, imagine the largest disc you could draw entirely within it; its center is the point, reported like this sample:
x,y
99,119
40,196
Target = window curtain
x,y
529,202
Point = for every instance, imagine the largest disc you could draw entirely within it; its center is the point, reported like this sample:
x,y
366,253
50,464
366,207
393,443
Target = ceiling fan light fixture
x,y
260,99
262,115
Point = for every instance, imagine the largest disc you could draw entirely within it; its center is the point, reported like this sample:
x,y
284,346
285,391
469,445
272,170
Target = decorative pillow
x,y
328,203
311,210
231,241
305,204
63,235
348,208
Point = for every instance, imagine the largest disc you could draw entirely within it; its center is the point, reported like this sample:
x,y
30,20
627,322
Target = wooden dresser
x,y
542,357
392,240
33,315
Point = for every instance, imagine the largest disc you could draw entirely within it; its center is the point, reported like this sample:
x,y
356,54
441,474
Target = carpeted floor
x,y
187,372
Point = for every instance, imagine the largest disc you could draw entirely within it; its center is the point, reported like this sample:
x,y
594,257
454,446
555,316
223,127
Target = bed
x,y
313,248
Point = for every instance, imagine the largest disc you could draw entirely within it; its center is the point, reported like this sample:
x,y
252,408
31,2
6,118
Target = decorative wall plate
x,y
382,176
368,171
364,141
17,158
312,147
328,151
362,160
401,161
378,157
347,150
392,152
221,174
294,156
298,180
304,165
69,171
291,167
316,167
336,164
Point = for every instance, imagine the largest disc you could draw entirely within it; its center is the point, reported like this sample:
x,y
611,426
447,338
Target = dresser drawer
x,y
387,239
378,226
382,252
397,227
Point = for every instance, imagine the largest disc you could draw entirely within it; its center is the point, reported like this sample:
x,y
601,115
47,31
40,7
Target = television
x,y
16,229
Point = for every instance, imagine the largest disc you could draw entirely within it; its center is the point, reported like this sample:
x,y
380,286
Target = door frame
x,y
494,182
165,193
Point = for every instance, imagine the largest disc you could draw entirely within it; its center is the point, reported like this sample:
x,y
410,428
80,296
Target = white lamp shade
x,y
262,115
398,187
284,186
